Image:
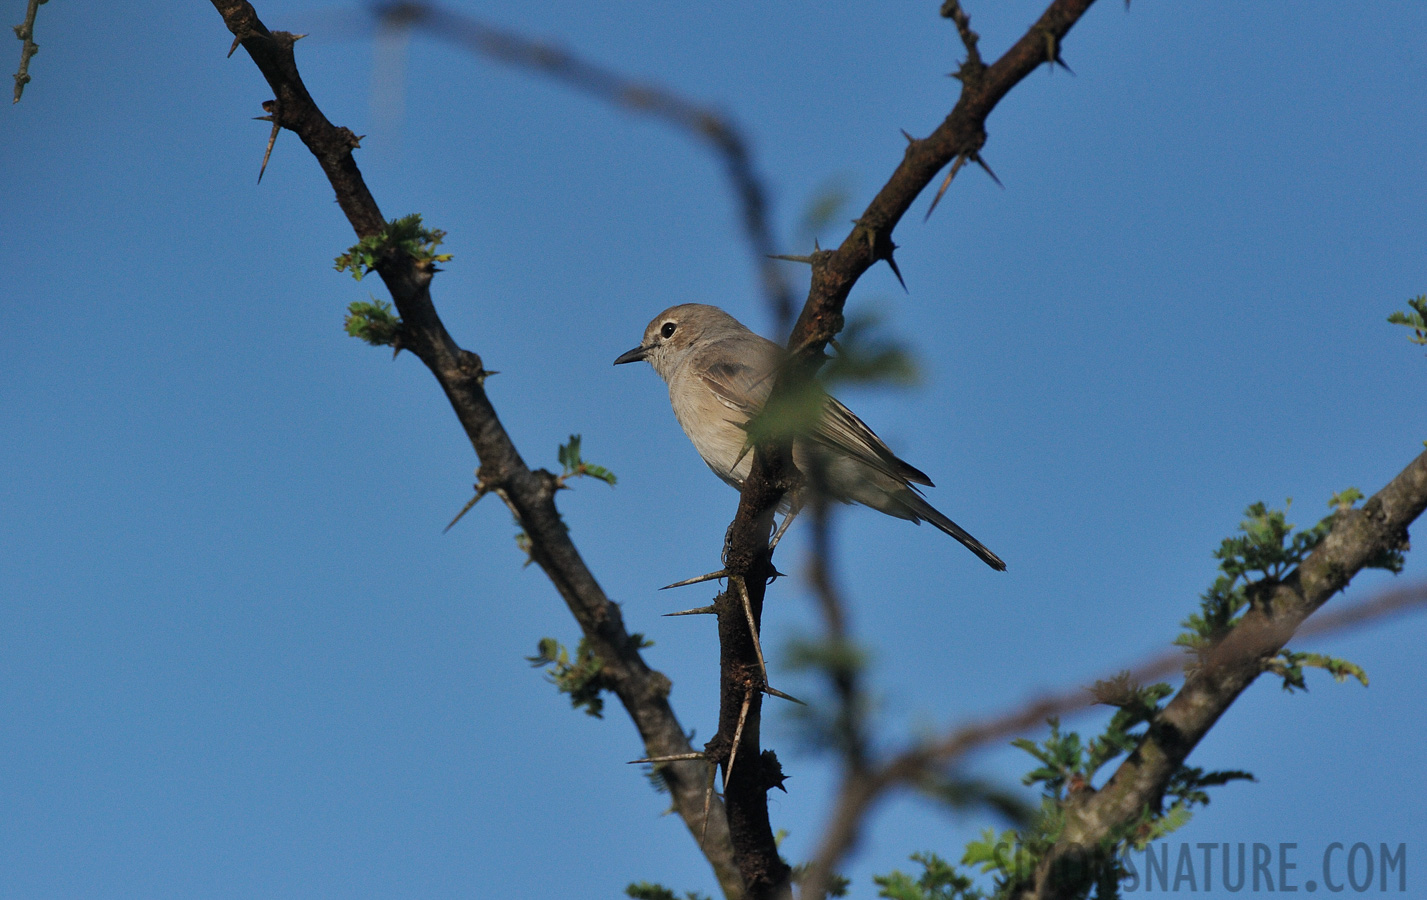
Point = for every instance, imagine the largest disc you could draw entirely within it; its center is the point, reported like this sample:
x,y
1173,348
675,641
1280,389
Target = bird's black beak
x,y
634,355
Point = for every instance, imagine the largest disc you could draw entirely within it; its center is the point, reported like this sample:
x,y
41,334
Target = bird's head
x,y
676,331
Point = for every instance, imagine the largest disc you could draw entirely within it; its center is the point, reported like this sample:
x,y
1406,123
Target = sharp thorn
x,y
480,492
1060,62
910,139
946,183
747,446
267,154
802,259
677,757
752,627
976,158
699,611
698,580
774,692
895,271
708,795
737,737
237,39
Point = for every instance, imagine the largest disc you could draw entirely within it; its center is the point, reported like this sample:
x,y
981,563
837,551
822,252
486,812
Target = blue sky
x,y
237,656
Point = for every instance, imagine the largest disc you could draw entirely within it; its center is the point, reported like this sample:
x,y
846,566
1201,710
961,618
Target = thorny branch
x,y
861,789
746,554
529,494
706,124
1358,538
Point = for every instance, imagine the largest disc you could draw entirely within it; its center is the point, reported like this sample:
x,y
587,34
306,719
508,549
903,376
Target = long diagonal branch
x,y
861,789
529,494
1358,538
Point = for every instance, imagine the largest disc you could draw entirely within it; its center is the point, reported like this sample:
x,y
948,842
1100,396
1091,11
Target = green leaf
x,y
1288,664
574,466
939,881
579,677
405,235
865,356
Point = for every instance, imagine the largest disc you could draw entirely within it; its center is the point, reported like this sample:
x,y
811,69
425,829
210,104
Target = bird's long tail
x,y
925,510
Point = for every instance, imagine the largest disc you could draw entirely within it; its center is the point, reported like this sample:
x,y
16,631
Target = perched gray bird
x,y
719,375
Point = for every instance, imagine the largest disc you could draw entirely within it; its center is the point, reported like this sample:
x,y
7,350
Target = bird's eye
x,y
668,329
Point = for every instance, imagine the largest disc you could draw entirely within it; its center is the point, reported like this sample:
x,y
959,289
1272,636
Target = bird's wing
x,y
740,374
840,430
743,387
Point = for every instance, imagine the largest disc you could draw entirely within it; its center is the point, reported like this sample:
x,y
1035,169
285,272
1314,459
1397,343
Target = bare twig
x,y
711,127
529,494
972,67
25,31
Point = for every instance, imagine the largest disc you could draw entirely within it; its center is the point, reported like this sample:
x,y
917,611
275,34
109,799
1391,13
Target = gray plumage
x,y
719,375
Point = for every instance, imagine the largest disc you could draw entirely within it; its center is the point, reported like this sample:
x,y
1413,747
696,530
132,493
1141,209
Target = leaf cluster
x,y
645,890
373,322
580,676
1068,767
1416,319
405,235
1288,664
574,466
939,880
1253,563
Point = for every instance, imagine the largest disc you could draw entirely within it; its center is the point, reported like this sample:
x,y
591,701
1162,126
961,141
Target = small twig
x,y
25,31
973,67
